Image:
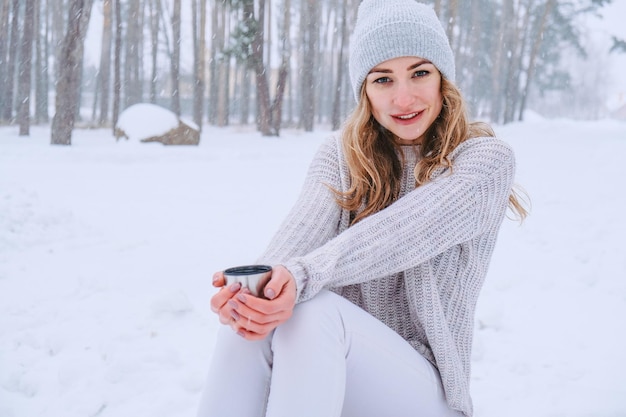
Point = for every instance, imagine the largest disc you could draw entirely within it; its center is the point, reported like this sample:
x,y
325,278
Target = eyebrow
x,y
388,71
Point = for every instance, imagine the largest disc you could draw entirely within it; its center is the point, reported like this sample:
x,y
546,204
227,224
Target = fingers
x,y
246,327
261,310
218,279
219,300
244,304
251,317
251,335
246,322
281,278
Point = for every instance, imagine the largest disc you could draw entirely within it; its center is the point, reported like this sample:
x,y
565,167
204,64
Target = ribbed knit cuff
x,y
299,273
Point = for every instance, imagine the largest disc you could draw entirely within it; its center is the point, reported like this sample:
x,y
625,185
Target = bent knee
x,y
321,310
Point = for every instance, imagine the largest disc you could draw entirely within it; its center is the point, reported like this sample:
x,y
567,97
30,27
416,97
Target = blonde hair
x,y
372,155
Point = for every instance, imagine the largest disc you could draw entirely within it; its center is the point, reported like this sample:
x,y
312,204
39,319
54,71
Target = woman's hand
x,y
251,317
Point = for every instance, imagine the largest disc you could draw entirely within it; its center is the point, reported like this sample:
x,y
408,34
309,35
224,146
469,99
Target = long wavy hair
x,y
371,153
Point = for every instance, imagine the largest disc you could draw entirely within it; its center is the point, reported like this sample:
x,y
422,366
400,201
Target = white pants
x,y
330,359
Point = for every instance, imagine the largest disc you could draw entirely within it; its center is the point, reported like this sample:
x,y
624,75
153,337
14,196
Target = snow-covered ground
x,y
107,249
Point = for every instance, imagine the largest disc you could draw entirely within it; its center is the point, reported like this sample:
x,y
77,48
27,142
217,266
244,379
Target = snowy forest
x,y
275,63
107,247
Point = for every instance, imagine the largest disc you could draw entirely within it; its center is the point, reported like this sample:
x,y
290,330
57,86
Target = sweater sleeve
x,y
314,219
453,208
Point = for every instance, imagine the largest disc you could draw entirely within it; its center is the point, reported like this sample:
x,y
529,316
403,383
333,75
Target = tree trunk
x,y
132,42
117,71
530,71
139,69
5,11
175,63
325,56
245,95
438,7
58,33
223,100
41,66
450,24
224,69
43,104
195,23
283,71
71,65
268,33
336,112
7,110
474,42
499,69
105,60
25,68
213,81
309,50
198,109
154,50
516,61
514,51
264,113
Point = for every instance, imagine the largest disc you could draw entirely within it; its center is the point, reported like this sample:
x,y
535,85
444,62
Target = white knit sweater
x,y
417,265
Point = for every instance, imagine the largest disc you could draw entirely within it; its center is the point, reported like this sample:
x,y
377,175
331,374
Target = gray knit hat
x,y
387,29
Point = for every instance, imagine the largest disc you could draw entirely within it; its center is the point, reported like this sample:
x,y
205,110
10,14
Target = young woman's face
x,y
405,96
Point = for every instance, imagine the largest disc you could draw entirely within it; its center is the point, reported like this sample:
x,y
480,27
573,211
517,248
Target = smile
x,y
406,116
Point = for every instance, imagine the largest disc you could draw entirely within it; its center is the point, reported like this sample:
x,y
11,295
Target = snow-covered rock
x,y
147,122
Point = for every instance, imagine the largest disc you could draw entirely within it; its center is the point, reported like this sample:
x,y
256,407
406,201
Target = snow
x,y
107,250
145,120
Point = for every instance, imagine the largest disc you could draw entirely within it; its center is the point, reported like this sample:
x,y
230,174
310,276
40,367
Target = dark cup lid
x,y
248,270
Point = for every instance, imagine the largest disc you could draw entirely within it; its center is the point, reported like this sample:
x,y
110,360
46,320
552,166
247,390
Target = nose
x,y
404,96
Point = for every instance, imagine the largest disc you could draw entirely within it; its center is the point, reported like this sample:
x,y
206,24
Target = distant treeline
x,y
274,63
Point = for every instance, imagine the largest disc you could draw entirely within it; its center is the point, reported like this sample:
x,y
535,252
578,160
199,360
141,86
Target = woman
x,y
377,269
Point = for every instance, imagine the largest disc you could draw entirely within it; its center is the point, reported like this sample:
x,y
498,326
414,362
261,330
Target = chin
x,y
411,141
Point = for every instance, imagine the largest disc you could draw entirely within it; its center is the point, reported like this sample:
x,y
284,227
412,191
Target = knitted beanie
x,y
387,29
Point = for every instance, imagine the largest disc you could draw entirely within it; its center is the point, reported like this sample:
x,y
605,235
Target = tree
x,y
452,18
154,48
57,9
42,48
510,55
249,47
105,60
276,108
530,71
25,67
175,61
199,19
133,49
117,63
309,32
6,113
256,59
213,59
5,12
70,67
343,35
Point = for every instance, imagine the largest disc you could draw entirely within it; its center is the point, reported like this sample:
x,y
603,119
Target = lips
x,y
406,117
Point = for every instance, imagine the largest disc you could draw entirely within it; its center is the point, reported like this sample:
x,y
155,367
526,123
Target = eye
x,y
420,73
381,80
